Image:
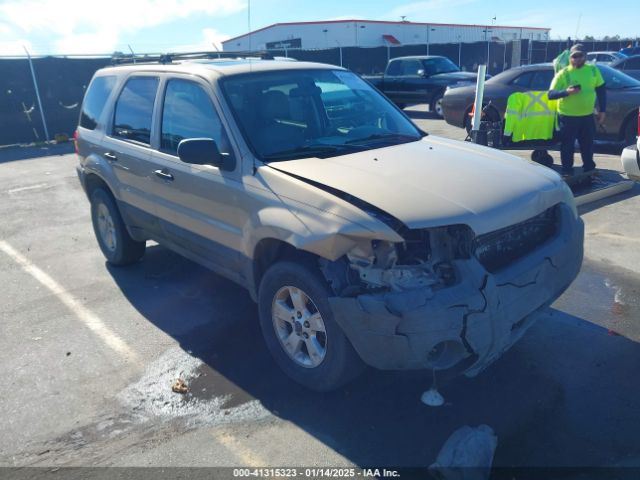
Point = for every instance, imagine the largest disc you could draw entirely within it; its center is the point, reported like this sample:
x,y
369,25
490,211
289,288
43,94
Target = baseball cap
x,y
577,50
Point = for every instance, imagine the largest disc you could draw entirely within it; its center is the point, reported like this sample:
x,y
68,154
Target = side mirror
x,y
202,151
422,72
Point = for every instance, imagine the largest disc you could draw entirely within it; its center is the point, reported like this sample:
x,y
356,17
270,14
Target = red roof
x,y
383,22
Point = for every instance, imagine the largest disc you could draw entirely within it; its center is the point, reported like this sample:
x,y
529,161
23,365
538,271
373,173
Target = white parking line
x,y
613,236
30,187
85,315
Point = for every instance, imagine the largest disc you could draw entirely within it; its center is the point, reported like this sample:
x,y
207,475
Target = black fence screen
x,y
62,81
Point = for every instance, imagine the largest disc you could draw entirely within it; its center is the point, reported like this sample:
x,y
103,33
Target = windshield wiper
x,y
384,136
319,150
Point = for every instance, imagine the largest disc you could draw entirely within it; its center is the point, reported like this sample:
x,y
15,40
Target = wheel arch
x,y
267,252
469,108
629,117
94,181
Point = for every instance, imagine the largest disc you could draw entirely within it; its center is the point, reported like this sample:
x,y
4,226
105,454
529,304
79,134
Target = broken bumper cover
x,y
477,319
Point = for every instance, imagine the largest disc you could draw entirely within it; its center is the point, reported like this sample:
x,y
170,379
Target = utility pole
x,y
35,84
429,29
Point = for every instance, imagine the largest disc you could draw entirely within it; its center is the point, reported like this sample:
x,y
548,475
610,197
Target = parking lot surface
x,y
90,352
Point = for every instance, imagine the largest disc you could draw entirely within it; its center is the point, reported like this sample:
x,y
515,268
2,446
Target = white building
x,y
371,33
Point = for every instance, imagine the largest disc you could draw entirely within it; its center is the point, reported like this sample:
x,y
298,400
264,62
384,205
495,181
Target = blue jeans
x,y
582,129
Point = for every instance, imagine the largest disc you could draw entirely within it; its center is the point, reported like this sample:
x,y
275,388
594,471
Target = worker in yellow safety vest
x,y
577,87
530,116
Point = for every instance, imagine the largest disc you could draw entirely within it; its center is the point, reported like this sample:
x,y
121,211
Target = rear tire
x,y
314,353
436,105
113,238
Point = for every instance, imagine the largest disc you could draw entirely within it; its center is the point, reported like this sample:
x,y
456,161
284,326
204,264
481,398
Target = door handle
x,y
110,156
164,174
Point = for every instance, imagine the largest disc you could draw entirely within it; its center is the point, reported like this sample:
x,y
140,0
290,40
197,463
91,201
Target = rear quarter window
x,y
95,100
395,68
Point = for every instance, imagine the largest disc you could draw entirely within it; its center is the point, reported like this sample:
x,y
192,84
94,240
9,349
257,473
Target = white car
x,y
604,57
631,157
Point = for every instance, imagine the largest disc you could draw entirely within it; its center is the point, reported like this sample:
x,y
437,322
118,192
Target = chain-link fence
x,y
62,81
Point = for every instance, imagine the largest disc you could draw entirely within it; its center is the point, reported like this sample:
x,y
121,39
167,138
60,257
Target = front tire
x,y
300,331
630,129
113,238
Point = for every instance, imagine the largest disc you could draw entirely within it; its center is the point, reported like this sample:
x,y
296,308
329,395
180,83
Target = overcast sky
x,y
92,26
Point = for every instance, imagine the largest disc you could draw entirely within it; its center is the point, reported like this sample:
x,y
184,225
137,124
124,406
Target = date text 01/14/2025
x,y
315,472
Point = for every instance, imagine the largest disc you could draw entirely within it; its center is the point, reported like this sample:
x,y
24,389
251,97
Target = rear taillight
x,y
75,141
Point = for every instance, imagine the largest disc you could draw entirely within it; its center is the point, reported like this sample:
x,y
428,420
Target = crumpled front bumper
x,y
479,318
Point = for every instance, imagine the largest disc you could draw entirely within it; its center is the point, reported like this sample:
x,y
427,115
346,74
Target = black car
x,y
630,51
628,65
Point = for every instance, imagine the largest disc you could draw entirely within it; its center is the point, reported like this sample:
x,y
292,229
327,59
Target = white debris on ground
x,y
432,398
152,396
466,455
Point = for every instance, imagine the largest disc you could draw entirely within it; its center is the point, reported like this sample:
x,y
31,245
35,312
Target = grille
x,y
499,249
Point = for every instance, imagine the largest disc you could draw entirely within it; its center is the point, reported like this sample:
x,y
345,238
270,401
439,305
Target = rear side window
x,y
189,113
523,80
95,100
541,80
134,109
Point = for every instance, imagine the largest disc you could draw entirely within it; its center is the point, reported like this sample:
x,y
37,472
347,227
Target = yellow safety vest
x,y
530,116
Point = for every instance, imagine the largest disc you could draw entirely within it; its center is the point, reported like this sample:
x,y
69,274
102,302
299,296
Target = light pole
x,y
546,45
486,38
361,26
429,29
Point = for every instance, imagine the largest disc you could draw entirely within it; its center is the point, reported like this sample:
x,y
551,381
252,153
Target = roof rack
x,y
165,58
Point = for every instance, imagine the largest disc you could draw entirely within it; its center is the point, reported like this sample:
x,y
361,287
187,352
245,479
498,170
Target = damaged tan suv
x,y
363,239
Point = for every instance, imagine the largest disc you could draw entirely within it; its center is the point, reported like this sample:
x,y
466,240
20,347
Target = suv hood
x,y
436,181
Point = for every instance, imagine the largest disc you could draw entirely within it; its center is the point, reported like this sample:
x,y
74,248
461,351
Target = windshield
x,y
292,114
434,66
615,79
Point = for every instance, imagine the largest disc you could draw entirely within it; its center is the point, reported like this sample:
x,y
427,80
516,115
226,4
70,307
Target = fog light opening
x,y
446,354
